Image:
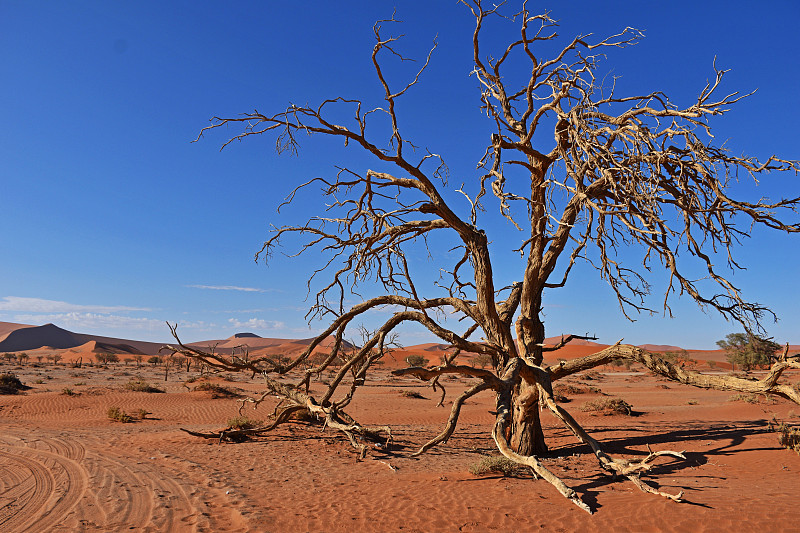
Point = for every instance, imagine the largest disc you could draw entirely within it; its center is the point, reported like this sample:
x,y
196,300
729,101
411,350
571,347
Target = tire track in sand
x,y
40,485
150,491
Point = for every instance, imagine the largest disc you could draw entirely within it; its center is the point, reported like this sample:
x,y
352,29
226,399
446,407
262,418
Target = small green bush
x,y
417,360
118,415
494,465
141,414
66,391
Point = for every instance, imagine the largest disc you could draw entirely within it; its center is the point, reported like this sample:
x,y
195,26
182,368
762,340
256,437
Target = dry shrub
x,y
411,394
118,415
217,391
244,422
609,406
789,437
591,375
417,360
568,388
494,465
747,398
10,384
139,385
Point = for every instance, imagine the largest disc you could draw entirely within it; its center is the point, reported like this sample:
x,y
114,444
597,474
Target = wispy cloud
x,y
39,305
226,288
257,323
94,321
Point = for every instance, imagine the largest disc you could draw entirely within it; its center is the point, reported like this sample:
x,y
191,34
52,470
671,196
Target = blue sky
x,y
112,221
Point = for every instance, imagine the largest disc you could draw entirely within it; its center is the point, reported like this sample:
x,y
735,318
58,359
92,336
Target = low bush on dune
x,y
118,415
747,398
789,437
495,465
609,406
138,385
568,388
10,384
217,391
244,422
411,394
563,391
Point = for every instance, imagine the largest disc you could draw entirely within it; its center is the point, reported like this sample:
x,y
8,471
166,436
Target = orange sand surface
x,y
66,467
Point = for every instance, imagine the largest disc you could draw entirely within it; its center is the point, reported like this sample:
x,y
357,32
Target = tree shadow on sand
x,y
722,439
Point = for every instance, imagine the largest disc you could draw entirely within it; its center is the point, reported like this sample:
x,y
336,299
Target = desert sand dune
x,y
67,467
50,339
28,338
21,337
8,327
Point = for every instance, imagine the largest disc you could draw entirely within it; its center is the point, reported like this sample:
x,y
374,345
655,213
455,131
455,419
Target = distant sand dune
x,y
50,339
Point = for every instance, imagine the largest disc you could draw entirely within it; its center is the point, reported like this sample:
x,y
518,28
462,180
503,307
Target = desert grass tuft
x,y
747,398
494,465
118,415
217,391
609,406
789,437
411,394
244,422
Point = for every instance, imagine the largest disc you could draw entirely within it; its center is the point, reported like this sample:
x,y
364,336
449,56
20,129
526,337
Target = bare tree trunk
x,y
527,437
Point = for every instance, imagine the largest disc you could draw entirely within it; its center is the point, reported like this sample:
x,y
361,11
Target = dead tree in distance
x,y
578,169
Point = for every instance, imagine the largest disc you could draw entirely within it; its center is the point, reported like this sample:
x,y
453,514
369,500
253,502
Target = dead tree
x,y
578,169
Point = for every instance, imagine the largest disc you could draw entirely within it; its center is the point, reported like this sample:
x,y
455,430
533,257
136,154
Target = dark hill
x,y
245,335
30,338
34,337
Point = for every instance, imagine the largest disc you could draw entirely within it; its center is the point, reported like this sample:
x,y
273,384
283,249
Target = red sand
x,y
66,467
